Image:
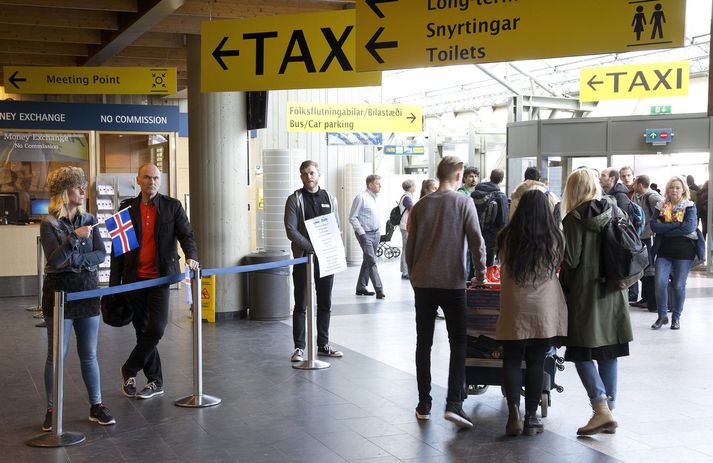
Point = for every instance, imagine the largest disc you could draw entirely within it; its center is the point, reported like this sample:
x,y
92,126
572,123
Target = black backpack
x,y
487,206
623,256
395,215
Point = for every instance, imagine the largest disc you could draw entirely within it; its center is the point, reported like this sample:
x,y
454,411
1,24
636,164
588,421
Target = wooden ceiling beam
x,y
133,26
151,39
11,59
57,17
251,8
50,34
173,54
42,48
127,6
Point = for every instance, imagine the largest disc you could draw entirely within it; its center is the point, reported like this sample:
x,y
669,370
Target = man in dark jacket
x,y
159,221
492,207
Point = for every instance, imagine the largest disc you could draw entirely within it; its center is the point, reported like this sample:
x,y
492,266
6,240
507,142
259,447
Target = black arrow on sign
x,y
412,118
373,5
591,82
372,45
218,53
13,78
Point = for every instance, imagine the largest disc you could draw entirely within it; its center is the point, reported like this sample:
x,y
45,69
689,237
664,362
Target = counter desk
x,y
18,259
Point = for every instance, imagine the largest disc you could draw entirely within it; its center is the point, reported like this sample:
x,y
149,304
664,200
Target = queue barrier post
x,y
40,276
57,437
311,363
197,399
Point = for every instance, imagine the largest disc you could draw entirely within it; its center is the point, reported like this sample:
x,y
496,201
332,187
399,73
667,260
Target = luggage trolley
x,y
483,363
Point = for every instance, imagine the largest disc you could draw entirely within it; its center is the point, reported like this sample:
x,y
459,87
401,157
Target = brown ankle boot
x,y
514,424
602,420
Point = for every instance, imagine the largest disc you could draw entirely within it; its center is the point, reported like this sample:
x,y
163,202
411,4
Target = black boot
x,y
533,425
514,424
661,321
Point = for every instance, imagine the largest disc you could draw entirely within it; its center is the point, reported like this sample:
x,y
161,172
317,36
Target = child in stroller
x,y
384,249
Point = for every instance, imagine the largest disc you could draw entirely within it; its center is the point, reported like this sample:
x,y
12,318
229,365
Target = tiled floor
x,y
360,409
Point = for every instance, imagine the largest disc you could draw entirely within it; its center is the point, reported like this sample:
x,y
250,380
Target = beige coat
x,y
538,312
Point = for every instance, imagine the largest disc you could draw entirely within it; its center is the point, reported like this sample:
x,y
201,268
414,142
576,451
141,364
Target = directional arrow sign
x,y
634,81
90,80
399,34
325,117
314,50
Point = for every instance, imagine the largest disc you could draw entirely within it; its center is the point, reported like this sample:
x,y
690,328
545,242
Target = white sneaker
x,y
297,356
439,314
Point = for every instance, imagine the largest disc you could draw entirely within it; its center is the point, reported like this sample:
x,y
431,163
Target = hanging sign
x,y
634,81
328,117
396,34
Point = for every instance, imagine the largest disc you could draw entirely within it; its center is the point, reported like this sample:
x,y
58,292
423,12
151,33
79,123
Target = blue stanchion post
x,y
311,363
57,437
197,399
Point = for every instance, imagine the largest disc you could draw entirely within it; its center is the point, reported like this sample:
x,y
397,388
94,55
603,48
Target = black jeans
x,y
513,352
323,287
150,318
452,301
490,253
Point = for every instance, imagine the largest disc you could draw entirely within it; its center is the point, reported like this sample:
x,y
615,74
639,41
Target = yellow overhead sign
x,y
313,50
325,117
395,34
634,81
90,80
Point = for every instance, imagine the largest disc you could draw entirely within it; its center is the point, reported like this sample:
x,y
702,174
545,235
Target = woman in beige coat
x,y
533,311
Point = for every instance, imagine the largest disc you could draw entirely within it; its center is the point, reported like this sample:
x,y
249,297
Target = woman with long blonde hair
x,y
73,252
598,327
676,245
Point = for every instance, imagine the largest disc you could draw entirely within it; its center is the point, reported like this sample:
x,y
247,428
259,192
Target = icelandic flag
x,y
121,231
187,282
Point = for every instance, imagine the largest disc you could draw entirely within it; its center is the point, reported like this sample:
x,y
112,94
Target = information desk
x,y
18,259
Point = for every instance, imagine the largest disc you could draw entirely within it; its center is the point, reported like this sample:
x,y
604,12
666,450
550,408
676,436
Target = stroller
x,y
384,249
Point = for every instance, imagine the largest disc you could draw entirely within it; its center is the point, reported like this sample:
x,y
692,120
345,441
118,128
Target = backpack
x,y
637,217
395,215
487,206
623,256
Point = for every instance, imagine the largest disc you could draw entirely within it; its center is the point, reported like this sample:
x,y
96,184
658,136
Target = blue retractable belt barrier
x,y
179,277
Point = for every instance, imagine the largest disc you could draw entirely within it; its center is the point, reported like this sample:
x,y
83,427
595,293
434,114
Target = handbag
x,y
700,249
116,310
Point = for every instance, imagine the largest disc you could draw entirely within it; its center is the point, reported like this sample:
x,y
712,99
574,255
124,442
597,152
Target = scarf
x,y
673,212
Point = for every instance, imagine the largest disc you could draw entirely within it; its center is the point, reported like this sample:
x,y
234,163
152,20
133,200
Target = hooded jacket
x,y
490,233
597,316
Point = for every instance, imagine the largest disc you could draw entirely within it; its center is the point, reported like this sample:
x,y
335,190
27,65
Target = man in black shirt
x,y
309,202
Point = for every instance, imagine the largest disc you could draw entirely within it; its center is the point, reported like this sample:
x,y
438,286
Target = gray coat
x,y
295,222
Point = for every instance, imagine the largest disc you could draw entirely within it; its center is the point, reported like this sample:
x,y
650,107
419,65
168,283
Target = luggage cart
x,y
483,363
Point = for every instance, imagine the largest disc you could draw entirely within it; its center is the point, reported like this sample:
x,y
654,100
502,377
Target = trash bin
x,y
268,290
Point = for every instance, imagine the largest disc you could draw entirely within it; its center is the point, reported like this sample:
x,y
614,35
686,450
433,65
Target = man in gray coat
x,y
309,202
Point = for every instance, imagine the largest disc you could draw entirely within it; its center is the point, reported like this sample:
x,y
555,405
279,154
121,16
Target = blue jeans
x,y
678,270
86,330
600,383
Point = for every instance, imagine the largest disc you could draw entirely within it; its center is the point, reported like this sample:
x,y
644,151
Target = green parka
x,y
597,316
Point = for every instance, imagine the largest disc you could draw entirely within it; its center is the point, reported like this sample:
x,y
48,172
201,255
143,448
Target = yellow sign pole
x,y
634,81
90,80
313,50
396,34
326,117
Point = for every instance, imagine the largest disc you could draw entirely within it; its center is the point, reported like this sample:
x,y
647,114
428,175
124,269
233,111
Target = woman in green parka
x,y
599,328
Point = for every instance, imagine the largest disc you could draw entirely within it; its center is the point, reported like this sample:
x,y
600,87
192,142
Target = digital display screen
x,y
39,206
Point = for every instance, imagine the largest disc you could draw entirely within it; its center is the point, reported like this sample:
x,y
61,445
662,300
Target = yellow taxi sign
x,y
312,50
90,80
326,117
397,34
634,81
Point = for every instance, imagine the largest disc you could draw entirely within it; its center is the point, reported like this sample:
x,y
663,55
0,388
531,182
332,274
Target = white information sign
x,y
324,234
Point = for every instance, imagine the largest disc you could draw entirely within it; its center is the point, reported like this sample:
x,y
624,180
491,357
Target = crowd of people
x,y
549,252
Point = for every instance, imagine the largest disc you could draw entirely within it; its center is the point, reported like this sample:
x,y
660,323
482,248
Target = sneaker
x,y
423,411
47,425
439,314
297,355
128,388
456,415
329,351
151,389
100,414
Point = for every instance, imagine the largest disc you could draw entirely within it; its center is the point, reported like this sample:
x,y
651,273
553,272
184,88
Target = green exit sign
x,y
661,110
